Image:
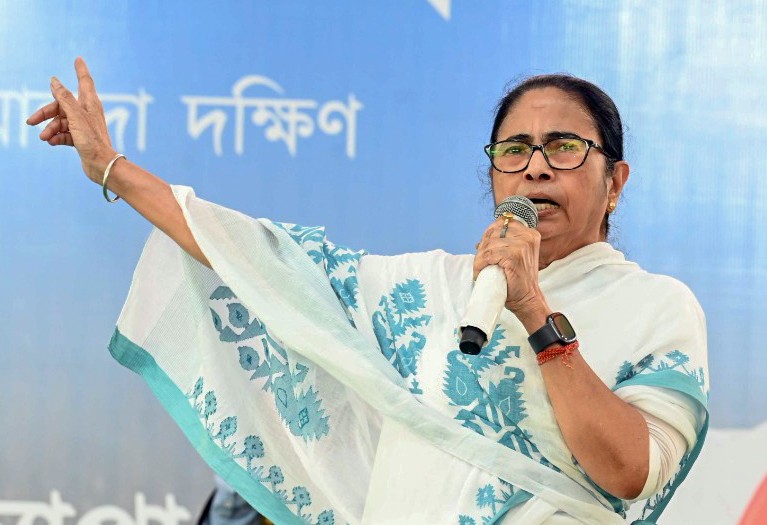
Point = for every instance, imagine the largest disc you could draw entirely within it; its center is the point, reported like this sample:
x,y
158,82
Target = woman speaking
x,y
326,385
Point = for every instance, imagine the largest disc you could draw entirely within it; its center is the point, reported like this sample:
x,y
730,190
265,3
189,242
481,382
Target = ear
x,y
617,181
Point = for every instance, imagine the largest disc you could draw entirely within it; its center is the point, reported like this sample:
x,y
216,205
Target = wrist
x,y
533,315
96,167
532,312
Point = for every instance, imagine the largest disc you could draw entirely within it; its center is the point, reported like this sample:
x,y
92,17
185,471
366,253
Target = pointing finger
x,y
86,88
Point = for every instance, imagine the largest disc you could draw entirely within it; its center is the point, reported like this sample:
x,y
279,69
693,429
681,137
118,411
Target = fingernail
x,y
55,82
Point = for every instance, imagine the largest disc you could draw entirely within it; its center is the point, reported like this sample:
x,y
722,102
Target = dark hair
x,y
599,105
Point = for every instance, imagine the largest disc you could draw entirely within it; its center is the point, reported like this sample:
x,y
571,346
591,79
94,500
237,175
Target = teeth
x,y
540,206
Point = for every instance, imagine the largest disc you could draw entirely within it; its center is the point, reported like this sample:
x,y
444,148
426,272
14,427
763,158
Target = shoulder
x,y
663,313
600,273
656,318
661,290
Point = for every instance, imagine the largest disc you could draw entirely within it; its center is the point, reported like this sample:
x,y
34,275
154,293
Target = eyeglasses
x,y
511,156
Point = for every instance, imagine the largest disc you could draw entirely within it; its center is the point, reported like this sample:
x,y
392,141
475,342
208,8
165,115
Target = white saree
x,y
326,386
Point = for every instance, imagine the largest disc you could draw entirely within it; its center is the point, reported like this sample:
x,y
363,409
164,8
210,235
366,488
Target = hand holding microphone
x,y
490,288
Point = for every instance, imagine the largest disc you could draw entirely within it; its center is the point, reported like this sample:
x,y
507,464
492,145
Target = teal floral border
x,y
269,503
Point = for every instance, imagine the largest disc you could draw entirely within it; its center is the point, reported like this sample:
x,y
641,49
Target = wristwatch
x,y
556,330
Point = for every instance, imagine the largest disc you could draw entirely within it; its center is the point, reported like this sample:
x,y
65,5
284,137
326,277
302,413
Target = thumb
x,y
63,96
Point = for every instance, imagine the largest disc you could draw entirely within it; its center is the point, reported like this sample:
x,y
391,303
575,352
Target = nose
x,y
538,168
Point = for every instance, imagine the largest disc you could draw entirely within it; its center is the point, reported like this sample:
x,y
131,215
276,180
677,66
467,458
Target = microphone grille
x,y
520,206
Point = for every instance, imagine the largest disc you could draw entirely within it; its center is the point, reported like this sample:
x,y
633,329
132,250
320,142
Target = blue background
x,y
688,77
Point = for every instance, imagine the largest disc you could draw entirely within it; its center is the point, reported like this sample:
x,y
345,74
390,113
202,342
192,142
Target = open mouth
x,y
544,204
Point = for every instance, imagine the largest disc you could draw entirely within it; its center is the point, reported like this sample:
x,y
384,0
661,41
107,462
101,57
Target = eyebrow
x,y
550,135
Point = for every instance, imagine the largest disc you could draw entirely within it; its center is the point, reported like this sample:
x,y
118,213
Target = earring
x,y
611,206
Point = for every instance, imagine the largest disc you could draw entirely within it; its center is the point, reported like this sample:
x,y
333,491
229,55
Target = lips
x,y
543,202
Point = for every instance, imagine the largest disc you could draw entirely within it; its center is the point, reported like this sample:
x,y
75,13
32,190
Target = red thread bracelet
x,y
565,351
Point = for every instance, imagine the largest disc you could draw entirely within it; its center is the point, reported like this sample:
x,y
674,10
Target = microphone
x,y
489,293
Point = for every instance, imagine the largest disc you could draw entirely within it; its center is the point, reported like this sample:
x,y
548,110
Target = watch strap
x,y
544,337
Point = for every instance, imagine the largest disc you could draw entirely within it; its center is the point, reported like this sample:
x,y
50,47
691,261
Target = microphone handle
x,y
485,305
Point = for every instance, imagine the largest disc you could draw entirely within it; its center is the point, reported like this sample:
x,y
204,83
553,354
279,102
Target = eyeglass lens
x,y
564,153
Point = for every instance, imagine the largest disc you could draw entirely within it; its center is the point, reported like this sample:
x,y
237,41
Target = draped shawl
x,y
325,385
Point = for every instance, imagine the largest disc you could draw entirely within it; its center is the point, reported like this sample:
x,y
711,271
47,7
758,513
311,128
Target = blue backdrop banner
x,y
367,118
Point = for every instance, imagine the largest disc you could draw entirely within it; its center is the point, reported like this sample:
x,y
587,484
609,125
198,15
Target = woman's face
x,y
579,197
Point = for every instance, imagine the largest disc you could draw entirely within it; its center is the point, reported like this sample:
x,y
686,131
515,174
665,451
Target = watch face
x,y
563,327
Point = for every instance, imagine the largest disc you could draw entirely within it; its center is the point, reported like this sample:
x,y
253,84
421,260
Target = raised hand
x,y
77,122
517,254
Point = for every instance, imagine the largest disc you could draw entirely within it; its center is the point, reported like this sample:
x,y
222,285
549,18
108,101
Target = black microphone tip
x,y
472,340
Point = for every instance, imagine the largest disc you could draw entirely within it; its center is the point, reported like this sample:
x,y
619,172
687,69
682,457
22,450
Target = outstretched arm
x,y
80,122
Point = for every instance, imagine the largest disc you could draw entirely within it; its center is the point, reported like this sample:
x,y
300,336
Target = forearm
x,y
153,198
607,436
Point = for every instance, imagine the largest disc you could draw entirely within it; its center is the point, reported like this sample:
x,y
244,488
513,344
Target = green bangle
x,y
106,176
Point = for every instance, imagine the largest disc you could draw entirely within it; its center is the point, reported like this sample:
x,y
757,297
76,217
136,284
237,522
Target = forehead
x,y
543,110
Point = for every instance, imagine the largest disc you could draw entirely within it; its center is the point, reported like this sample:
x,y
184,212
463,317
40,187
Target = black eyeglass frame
x,y
589,143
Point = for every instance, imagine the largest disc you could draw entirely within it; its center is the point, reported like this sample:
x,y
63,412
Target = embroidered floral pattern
x,y
252,451
397,327
299,407
338,262
488,502
266,360
674,360
501,408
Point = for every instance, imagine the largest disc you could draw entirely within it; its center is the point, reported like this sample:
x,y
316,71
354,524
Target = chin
x,y
546,230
